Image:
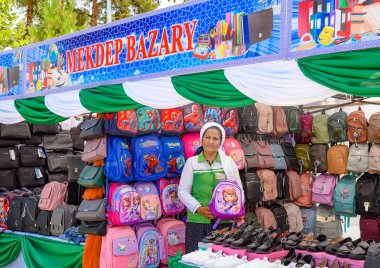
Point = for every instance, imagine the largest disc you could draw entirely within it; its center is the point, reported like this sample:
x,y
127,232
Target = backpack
x,y
232,148
318,158
356,126
370,229
52,196
337,157
265,118
119,248
320,132
308,219
374,128
123,204
323,189
304,136
293,118
327,222
295,190
278,157
303,156
230,121
374,159
344,196
227,200
212,114
269,183
248,119
280,125
148,158
290,156
5,200
118,164
264,154
280,216
173,232
337,126
358,158
191,142
62,218
122,123
149,241
43,222
192,117
150,205
283,191
305,199
265,217
149,120
172,121
253,189
174,155
294,217
367,194
15,212
250,154
30,215
170,202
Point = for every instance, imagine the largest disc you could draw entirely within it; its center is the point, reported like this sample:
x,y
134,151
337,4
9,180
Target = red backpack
x,y
171,121
192,117
357,126
230,121
233,149
306,129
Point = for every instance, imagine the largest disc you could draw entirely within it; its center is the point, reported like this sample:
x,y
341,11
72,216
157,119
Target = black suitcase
x,y
32,156
9,157
31,176
8,178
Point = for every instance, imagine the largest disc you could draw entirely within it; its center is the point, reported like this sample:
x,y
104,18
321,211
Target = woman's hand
x,y
205,211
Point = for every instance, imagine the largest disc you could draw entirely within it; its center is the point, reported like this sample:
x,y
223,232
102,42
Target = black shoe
x,y
307,259
271,244
214,234
258,239
331,249
289,257
345,250
249,228
219,239
291,240
244,240
360,251
319,244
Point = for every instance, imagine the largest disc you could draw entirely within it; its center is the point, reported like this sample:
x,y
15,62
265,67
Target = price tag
x,y
38,173
366,205
76,170
41,153
12,154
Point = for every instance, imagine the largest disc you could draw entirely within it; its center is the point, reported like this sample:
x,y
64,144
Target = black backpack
x,y
31,213
367,194
253,189
43,222
248,119
283,185
32,156
16,209
290,156
281,217
9,157
74,193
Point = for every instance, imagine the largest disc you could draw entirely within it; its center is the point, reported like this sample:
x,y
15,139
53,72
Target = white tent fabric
x,y
158,93
65,104
8,113
279,83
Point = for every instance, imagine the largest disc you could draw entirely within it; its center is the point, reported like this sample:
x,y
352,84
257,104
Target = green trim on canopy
x,y
354,72
39,251
210,88
35,111
107,99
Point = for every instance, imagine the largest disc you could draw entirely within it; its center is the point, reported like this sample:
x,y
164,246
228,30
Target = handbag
x,y
95,150
8,178
9,157
57,161
45,128
31,176
75,165
92,210
92,129
92,177
16,131
93,227
60,142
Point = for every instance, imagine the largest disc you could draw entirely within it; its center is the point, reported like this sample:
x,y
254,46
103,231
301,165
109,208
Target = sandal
x,y
307,259
319,244
345,250
360,251
304,244
289,257
291,240
331,249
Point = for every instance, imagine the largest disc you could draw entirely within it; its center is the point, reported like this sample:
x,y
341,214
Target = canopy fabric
x,y
354,72
35,111
8,113
66,104
278,83
210,88
158,93
107,99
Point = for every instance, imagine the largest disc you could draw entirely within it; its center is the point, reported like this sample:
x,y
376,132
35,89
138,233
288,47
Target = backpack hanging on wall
x,y
264,154
283,191
328,223
305,199
212,114
293,118
278,157
374,128
323,189
318,158
269,183
290,156
374,159
337,157
304,136
295,190
248,119
281,217
251,157
174,155
358,158
118,164
150,205
265,217
367,194
149,120
370,229
170,203
172,121
337,126
148,241
193,117
230,121
280,125
320,129
126,123
294,217
308,219
232,148
344,196
253,189
265,118
357,126
303,156
191,142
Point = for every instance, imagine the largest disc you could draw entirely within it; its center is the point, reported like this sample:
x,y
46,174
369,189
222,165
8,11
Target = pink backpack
x,y
265,217
52,196
269,183
150,245
323,189
306,129
230,120
119,248
265,118
170,203
173,232
264,154
123,204
306,185
233,149
191,142
150,206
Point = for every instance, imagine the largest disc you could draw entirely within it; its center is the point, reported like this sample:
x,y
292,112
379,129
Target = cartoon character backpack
x,y
308,219
173,232
170,203
123,204
191,142
323,189
172,121
126,122
212,114
149,245
148,158
344,196
118,164
5,200
230,121
149,120
193,117
233,149
150,205
174,155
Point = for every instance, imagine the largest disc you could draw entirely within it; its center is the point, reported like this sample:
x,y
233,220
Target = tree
x,y
95,13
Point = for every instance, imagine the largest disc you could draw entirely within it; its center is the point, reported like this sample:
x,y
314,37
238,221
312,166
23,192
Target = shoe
x,y
271,244
219,239
289,257
291,240
214,234
319,244
307,259
237,234
243,241
331,249
304,244
335,264
360,251
345,250
323,263
259,239
346,265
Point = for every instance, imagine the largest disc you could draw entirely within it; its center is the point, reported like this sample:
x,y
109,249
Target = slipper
x,y
360,251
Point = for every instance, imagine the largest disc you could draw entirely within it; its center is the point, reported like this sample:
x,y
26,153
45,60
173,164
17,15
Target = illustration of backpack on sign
x,y
230,121
149,120
174,155
193,117
213,114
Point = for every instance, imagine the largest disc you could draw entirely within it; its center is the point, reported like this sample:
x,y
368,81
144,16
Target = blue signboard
x,y
11,73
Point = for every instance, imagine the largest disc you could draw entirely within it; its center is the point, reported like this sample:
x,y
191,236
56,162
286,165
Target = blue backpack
x,y
344,198
118,164
148,158
308,219
174,155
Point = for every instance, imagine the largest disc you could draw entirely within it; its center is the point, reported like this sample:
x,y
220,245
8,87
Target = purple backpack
x,y
323,189
227,201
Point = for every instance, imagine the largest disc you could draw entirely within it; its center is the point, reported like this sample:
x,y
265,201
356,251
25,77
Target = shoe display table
x,y
318,257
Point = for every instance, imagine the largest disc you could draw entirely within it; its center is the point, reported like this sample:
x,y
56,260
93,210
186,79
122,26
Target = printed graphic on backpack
x,y
193,117
212,114
191,142
127,121
233,149
149,242
172,121
170,202
230,121
150,207
148,120
174,155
